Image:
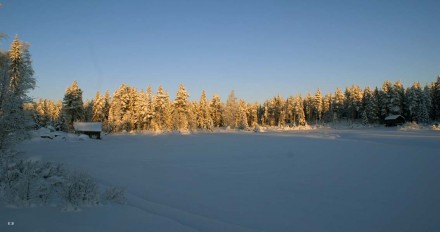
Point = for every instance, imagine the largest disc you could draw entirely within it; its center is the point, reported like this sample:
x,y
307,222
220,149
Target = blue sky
x,y
258,48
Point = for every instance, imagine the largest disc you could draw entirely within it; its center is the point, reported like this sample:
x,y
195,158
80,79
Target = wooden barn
x,y
92,129
394,120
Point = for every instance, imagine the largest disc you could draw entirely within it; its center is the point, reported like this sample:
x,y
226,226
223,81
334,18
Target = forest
x,y
130,109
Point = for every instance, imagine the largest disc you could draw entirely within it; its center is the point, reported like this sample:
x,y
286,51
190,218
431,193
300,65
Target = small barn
x,y
394,120
92,129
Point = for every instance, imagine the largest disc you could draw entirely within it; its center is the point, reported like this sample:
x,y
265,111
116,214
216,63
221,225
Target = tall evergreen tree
x,y
98,108
435,98
338,103
230,114
216,111
317,105
370,108
327,107
181,110
242,118
204,120
16,79
162,116
150,107
73,105
308,107
417,104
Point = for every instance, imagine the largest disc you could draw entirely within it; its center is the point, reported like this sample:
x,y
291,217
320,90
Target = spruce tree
x,y
338,103
230,114
181,110
216,111
370,113
242,118
435,97
72,105
162,116
317,105
204,120
16,79
98,108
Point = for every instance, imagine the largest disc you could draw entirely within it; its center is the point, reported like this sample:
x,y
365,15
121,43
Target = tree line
x,y
130,109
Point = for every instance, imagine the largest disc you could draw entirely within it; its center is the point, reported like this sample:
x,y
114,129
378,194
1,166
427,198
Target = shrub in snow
x,y
410,126
114,195
26,182
79,189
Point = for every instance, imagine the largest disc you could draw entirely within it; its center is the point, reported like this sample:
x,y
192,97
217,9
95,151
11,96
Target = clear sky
x,y
259,48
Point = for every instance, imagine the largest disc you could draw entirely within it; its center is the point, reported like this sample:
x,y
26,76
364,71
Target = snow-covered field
x,y
319,180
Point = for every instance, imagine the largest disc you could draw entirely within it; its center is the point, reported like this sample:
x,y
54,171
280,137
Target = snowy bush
x,y
26,183
410,126
79,189
114,195
435,127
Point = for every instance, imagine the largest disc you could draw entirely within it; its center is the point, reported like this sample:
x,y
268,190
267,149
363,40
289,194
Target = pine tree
x,y
122,108
230,114
299,116
98,108
396,99
417,104
435,97
338,103
386,96
162,116
327,107
204,120
181,110
353,101
370,113
242,118
216,111
150,107
308,107
141,112
317,106
88,111
16,80
252,114
73,105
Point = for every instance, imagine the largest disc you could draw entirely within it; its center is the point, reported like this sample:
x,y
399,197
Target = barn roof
x,y
88,126
393,117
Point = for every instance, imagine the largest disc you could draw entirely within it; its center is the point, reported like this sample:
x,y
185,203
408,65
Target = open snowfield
x,y
320,180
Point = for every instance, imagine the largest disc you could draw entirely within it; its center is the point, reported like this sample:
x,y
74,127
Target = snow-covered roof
x,y
393,117
88,126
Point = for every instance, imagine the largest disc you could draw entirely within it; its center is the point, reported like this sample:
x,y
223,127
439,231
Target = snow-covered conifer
x,y
230,114
327,110
242,118
204,120
338,103
370,113
216,111
73,105
308,107
317,105
181,110
16,79
162,116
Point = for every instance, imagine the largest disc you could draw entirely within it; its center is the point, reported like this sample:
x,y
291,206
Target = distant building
x,y
394,120
92,129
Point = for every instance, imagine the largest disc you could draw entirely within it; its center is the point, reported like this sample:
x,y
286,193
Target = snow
x,y
377,179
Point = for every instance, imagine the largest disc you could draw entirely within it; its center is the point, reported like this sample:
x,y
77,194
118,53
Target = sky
x,y
258,48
